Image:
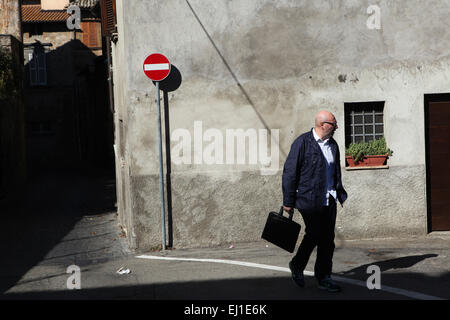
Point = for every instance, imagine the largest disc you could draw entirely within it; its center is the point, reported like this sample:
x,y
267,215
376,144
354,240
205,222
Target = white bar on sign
x,y
156,66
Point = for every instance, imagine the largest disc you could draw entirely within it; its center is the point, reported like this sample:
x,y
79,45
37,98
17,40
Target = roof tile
x,y
85,4
33,13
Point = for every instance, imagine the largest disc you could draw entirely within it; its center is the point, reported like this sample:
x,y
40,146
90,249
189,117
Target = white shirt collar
x,y
317,138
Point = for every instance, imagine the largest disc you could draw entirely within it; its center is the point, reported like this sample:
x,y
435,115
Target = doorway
x,y
437,141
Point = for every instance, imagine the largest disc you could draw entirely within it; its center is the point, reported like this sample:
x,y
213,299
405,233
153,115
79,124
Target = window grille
x,y
363,121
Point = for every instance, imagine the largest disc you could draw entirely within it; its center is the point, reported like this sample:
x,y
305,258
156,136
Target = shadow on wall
x,y
171,83
233,75
68,119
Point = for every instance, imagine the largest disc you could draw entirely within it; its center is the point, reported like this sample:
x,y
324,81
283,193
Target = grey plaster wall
x,y
274,65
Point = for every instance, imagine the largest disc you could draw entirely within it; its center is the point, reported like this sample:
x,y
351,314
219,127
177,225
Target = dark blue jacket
x,y
304,180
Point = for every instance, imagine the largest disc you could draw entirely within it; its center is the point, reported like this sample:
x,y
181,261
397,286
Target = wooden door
x,y
439,165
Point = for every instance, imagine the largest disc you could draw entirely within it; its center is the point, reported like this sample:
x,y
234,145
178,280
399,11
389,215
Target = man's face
x,y
329,127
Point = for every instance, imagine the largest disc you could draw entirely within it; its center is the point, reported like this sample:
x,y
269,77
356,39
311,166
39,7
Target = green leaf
x,y
376,147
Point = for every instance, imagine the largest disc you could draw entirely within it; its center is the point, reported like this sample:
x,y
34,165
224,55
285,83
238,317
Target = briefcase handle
x,y
291,212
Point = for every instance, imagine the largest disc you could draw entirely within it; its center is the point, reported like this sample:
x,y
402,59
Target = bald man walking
x,y
312,184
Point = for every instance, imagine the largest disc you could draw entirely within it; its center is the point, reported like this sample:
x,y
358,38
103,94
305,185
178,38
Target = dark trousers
x,y
319,231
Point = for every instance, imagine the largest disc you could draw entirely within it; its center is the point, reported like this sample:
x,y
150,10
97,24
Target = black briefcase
x,y
281,231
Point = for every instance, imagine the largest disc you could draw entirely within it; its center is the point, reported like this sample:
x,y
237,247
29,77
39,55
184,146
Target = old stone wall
x,y
10,22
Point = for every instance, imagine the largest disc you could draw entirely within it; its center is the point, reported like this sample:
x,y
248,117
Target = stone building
x,y
12,140
10,18
268,67
69,124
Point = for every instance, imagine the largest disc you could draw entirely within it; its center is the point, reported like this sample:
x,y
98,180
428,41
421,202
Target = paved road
x,y
68,227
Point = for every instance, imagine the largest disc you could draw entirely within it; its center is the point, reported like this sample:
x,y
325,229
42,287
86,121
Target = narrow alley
x,y
64,218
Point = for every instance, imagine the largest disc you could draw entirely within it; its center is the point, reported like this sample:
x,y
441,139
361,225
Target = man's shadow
x,y
397,263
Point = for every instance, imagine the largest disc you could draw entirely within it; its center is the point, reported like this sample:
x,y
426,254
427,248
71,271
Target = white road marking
x,y
156,66
398,291
239,263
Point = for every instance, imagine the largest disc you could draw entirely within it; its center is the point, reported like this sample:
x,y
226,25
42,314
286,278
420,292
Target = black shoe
x,y
329,285
297,275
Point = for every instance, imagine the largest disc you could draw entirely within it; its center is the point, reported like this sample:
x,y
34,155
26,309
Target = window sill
x,y
366,168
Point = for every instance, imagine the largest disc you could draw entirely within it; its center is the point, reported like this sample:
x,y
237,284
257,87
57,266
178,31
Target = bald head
x,y
323,116
325,124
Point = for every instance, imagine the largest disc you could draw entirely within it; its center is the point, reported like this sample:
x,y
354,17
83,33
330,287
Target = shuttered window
x,y
108,8
90,34
38,68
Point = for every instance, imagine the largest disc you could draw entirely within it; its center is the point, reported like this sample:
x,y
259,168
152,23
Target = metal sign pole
x,y
161,177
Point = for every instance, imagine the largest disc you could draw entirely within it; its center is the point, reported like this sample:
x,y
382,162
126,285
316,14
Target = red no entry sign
x,y
156,67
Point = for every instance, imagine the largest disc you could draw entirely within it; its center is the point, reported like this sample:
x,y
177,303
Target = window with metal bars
x,y
37,64
363,121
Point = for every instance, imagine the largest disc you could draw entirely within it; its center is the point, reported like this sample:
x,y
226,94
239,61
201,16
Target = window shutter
x,y
38,68
42,68
90,34
84,33
32,68
108,8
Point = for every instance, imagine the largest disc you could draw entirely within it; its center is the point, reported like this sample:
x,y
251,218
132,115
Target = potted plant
x,y
368,154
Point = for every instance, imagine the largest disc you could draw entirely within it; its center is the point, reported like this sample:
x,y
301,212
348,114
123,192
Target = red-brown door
x,y
439,165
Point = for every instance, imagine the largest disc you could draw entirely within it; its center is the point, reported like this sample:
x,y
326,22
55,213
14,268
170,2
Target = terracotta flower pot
x,y
375,161
367,161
